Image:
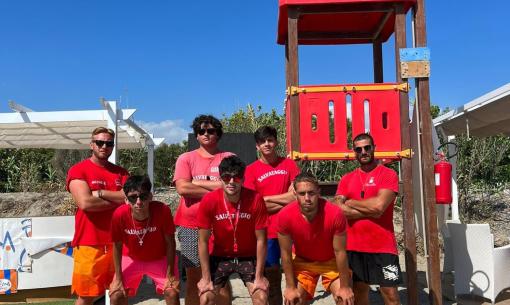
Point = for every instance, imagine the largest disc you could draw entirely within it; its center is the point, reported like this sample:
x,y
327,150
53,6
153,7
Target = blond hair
x,y
99,130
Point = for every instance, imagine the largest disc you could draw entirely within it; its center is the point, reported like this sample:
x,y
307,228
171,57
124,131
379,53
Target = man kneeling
x,y
316,228
238,218
144,244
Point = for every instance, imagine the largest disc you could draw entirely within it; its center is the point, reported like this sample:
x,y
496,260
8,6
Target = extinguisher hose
x,y
441,155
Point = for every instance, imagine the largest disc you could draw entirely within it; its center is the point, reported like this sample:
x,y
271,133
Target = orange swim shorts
x,y
307,274
93,270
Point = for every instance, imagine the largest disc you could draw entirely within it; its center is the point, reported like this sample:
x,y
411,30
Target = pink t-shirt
x,y
271,179
313,240
371,235
192,166
212,214
93,228
151,231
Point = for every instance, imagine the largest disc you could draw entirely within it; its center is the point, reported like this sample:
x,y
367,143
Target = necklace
x,y
140,239
363,184
234,225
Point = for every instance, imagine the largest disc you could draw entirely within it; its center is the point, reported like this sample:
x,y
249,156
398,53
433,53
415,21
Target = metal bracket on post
x,y
415,62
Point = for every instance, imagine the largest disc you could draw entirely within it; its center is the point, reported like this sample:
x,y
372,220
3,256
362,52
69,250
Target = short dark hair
x,y
232,165
207,119
265,132
363,136
137,183
306,177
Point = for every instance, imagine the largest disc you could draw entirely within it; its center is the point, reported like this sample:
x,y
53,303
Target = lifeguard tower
x,y
318,116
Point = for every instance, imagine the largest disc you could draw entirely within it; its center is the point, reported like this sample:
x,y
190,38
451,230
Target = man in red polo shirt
x,y
367,196
271,176
144,244
96,187
316,228
238,218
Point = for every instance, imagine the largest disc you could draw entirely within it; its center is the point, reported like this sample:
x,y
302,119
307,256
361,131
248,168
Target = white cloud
x,y
171,130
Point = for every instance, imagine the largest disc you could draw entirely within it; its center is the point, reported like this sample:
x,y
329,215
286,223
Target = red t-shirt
x,y
159,224
372,235
93,228
312,241
271,179
192,166
212,214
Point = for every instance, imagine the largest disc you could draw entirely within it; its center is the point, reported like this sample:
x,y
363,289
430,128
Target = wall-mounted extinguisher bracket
x,y
443,174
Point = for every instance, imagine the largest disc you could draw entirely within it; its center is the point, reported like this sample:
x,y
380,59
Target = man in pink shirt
x,y
271,176
367,196
316,228
144,244
196,174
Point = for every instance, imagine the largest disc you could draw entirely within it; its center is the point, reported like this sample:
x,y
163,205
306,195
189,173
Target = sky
x,y
172,60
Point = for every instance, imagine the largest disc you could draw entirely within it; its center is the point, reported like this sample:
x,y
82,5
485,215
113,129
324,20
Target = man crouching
x,y
238,218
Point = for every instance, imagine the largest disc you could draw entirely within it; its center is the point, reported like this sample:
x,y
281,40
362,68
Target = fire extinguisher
x,y
443,176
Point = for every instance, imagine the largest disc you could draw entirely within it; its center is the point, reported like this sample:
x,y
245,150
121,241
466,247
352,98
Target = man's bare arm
x,y
275,203
285,243
188,189
349,212
84,198
208,184
373,207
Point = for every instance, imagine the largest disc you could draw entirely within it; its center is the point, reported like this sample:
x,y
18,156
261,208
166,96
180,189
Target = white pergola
x,y
25,128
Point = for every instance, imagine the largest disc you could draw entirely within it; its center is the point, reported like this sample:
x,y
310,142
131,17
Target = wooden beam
x,y
406,167
382,23
378,61
429,204
343,8
292,75
333,36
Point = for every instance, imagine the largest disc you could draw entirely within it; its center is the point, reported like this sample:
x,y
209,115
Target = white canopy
x,y
25,128
484,116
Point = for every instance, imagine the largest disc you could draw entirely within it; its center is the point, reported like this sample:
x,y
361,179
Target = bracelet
x,y
100,194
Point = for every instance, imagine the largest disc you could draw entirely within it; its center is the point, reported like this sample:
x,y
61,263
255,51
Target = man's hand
x,y
171,283
117,286
204,286
259,283
291,296
345,295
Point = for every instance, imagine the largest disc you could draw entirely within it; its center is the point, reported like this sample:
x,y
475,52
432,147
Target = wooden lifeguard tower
x,y
380,108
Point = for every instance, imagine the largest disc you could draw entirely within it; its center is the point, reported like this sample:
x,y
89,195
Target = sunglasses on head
x,y
142,196
227,178
100,143
367,148
210,131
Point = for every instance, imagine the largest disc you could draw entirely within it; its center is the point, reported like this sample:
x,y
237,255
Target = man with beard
x,y
238,217
96,187
367,196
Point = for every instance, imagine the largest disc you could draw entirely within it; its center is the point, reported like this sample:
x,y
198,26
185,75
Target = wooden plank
x,y
406,169
422,85
382,23
333,35
415,69
378,61
344,8
292,71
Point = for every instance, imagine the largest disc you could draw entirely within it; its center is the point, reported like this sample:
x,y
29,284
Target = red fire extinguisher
x,y
443,177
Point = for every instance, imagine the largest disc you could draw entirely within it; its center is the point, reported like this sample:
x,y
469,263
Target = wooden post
x,y
378,61
429,204
406,167
292,75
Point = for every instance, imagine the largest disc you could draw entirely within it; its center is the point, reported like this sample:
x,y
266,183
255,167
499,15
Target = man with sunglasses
x,y
271,176
96,187
367,196
196,174
238,218
144,228
316,229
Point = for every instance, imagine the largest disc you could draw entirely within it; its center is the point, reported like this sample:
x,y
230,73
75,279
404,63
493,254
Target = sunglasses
x,y
142,196
210,131
367,148
100,143
227,178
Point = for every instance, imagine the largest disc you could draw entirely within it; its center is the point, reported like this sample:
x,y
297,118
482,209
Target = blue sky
x,y
174,59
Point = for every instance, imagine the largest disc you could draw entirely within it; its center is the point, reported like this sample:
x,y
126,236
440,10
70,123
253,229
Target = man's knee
x,y
84,300
390,295
259,297
208,298
117,297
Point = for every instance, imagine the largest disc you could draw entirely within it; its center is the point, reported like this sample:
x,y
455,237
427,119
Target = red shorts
x,y
93,270
134,270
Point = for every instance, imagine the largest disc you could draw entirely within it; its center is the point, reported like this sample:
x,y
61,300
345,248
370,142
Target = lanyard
x,y
234,225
